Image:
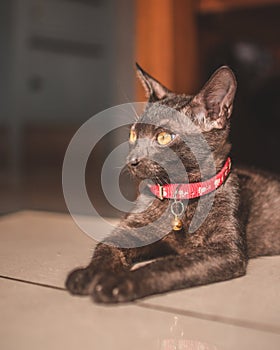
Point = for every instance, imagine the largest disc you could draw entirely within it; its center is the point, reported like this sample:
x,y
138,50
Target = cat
x,y
243,221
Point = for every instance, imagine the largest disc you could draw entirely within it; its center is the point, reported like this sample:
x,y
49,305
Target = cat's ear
x,y
213,104
154,89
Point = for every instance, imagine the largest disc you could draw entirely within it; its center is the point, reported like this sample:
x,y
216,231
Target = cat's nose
x,y
134,161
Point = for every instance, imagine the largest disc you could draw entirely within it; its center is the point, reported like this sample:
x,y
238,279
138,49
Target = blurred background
x,y
62,61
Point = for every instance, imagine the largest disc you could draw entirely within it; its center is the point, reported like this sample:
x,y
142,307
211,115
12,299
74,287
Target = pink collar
x,y
192,190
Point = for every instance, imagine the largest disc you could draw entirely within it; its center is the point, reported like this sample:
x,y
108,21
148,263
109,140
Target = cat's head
x,y
194,129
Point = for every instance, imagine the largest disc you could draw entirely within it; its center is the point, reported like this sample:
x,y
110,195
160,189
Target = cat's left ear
x,y
213,104
153,88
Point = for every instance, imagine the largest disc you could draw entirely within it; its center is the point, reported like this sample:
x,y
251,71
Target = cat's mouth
x,y
149,170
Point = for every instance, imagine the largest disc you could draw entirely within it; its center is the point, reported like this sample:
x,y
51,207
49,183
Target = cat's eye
x,y
164,138
132,136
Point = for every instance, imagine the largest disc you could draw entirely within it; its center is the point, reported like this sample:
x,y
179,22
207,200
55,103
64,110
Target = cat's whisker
x,y
120,167
130,104
134,110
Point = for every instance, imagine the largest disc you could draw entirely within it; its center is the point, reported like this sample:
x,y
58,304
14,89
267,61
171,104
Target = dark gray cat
x,y
243,222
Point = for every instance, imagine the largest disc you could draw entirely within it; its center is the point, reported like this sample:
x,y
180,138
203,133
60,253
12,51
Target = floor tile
x,y
251,299
43,247
34,317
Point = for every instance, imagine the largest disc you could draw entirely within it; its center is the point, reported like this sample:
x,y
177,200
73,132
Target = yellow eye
x,y
164,138
132,136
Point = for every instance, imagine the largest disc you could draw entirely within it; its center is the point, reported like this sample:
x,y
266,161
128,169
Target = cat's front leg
x,y
106,260
171,273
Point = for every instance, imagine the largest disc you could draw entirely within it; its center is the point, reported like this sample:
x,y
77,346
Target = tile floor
x,y
37,249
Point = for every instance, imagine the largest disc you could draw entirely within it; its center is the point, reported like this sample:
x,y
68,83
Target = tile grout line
x,y
194,314
214,318
33,283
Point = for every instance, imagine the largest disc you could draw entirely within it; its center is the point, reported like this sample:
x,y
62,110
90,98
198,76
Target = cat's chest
x,y
197,230
183,242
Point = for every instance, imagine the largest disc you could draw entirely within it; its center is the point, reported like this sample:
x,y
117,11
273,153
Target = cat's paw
x,y
80,282
117,288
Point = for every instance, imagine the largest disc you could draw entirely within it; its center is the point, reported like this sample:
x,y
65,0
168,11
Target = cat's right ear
x,y
154,90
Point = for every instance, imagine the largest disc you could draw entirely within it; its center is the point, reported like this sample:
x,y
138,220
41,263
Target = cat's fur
x,y
244,221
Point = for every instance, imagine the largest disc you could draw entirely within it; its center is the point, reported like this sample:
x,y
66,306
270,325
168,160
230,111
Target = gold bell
x,y
177,224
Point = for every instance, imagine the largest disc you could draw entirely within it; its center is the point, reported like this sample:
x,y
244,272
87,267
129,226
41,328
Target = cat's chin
x,y
157,178
139,175
150,177
147,178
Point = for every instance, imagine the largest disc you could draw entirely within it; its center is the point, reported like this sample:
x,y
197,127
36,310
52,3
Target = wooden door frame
x,y
166,43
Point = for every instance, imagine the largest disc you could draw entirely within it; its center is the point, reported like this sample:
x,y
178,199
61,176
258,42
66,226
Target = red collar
x,y
192,190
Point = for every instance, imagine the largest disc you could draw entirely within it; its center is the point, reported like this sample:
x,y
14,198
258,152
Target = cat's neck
x,y
206,170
